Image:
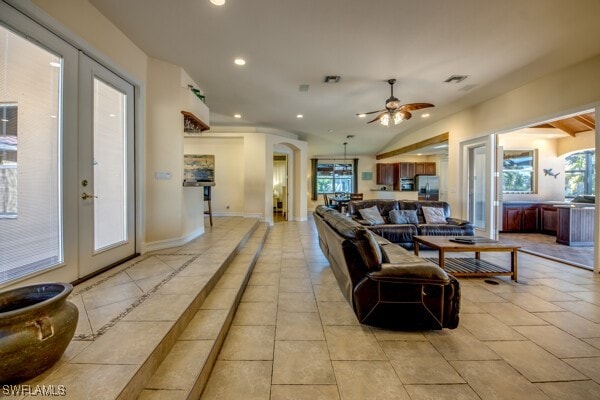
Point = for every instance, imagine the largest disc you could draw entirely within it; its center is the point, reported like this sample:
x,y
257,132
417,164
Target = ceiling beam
x,y
586,120
415,146
563,126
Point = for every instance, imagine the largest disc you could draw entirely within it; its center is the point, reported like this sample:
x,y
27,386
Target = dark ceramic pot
x,y
37,324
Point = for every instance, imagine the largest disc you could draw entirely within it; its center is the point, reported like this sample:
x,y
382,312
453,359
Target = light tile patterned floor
x,y
294,336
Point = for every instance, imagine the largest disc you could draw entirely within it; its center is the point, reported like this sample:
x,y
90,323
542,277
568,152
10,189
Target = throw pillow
x,y
404,217
372,215
434,215
369,249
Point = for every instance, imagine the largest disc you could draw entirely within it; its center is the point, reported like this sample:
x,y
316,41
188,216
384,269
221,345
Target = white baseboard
x,y
227,214
168,243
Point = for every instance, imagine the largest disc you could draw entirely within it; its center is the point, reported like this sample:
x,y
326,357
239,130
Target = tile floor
x,y
295,337
546,246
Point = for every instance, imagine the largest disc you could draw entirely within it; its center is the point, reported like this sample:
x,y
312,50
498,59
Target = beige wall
x,y
581,141
228,192
245,182
548,187
87,22
551,154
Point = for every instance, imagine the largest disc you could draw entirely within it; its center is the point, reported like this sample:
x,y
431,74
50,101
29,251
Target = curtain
x,y
313,177
355,175
279,178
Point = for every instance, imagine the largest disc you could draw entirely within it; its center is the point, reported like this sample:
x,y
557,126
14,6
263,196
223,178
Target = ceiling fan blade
x,y
378,117
415,106
405,115
370,112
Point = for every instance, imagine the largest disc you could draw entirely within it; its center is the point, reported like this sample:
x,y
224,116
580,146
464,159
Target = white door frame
x,y
91,260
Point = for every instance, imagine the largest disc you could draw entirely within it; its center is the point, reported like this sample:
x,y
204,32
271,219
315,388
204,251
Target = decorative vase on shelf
x,y
37,324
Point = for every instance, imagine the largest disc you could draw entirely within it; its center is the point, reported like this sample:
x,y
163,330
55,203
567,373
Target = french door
x,y
106,167
66,129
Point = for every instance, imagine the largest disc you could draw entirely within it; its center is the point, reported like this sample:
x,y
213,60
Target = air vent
x,y
303,88
456,78
332,79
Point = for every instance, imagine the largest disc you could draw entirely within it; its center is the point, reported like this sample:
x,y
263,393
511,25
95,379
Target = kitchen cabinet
x,y
520,218
425,168
387,174
548,219
407,170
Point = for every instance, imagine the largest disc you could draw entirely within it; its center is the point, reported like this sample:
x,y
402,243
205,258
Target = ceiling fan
x,y
394,111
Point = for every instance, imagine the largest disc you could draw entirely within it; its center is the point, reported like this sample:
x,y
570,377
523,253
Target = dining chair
x,y
328,203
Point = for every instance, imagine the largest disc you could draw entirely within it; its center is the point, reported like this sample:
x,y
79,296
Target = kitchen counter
x,y
551,203
394,194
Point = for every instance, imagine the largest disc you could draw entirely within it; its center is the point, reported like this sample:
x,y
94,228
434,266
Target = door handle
x,y
86,196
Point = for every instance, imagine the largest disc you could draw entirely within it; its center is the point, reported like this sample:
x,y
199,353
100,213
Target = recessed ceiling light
x,y
218,2
362,115
55,64
299,116
425,116
237,115
112,115
239,61
419,154
53,116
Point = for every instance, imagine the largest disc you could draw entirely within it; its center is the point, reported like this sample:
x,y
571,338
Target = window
x,y
334,177
579,173
518,175
8,160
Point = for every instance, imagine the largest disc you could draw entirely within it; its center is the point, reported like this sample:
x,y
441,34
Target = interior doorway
x,y
280,188
546,173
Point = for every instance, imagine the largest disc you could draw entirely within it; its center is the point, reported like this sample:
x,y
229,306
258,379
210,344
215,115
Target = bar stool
x,y
207,199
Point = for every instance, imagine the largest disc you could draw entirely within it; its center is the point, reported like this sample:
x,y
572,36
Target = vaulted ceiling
x,y
498,44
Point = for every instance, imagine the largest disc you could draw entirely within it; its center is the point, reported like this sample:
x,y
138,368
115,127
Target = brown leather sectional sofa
x,y
402,234
386,285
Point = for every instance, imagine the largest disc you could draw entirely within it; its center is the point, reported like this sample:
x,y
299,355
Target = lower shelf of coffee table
x,y
471,267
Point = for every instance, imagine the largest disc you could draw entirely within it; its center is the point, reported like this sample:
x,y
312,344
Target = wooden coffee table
x,y
469,266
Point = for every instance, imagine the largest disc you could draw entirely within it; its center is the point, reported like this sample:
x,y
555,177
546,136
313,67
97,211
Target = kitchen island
x,y
575,225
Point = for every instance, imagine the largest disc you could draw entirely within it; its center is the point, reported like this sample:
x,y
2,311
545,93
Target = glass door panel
x,y
477,186
110,161
30,157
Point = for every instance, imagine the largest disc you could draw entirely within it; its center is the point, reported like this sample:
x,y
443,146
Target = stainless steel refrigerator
x,y
428,187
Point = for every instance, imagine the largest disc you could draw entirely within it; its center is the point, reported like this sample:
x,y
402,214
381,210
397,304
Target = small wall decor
x,y
199,168
367,176
548,172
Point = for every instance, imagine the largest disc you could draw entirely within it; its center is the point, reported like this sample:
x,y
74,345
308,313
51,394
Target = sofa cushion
x,y
434,215
383,205
372,215
369,249
404,217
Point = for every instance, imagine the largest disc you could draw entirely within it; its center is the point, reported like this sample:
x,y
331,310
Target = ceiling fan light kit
x,y
394,111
